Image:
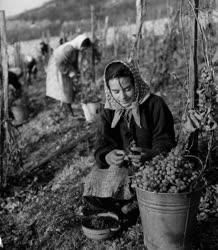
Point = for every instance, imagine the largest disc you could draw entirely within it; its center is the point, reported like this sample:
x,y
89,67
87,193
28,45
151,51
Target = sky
x,y
13,7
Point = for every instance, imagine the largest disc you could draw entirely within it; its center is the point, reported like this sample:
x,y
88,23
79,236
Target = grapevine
x,y
202,117
175,173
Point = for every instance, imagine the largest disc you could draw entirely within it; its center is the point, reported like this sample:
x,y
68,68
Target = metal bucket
x,y
168,219
90,110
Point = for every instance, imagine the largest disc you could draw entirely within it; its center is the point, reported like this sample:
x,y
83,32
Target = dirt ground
x,y
42,209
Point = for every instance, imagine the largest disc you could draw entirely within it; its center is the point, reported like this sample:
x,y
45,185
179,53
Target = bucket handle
x,y
194,185
115,229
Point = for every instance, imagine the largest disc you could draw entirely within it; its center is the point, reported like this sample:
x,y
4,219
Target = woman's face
x,y
122,90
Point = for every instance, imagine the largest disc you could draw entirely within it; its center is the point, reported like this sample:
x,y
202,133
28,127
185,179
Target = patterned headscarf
x,y
142,92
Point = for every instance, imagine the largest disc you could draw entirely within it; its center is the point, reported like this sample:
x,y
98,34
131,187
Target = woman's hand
x,y
139,155
115,157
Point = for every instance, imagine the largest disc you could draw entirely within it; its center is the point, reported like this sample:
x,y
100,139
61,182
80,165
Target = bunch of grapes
x,y
207,98
207,75
207,91
171,174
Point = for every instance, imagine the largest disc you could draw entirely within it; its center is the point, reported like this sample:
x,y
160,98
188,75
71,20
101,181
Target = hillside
x,y
76,10
52,15
65,10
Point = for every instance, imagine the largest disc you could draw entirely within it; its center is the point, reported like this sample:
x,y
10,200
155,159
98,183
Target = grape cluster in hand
x,y
171,174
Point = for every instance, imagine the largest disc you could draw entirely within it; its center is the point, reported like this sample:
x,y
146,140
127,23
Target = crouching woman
x,y
135,126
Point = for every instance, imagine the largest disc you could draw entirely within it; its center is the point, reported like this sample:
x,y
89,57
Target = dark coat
x,y
156,133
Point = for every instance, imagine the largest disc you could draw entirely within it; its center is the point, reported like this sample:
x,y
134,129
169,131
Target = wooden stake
x,y
93,27
193,72
140,14
17,54
105,34
116,38
4,96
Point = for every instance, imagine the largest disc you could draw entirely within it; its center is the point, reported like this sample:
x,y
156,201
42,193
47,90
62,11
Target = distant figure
x,y
45,52
31,68
17,71
14,83
63,70
44,48
17,106
14,89
62,40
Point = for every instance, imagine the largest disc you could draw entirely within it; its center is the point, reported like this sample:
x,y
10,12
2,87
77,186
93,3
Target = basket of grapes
x,y
168,191
100,226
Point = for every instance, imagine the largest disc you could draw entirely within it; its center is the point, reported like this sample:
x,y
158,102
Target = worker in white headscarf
x,y
63,69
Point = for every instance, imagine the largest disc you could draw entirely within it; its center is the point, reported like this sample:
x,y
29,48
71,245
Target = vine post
x,y
93,27
4,96
140,14
18,58
116,41
105,34
193,73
